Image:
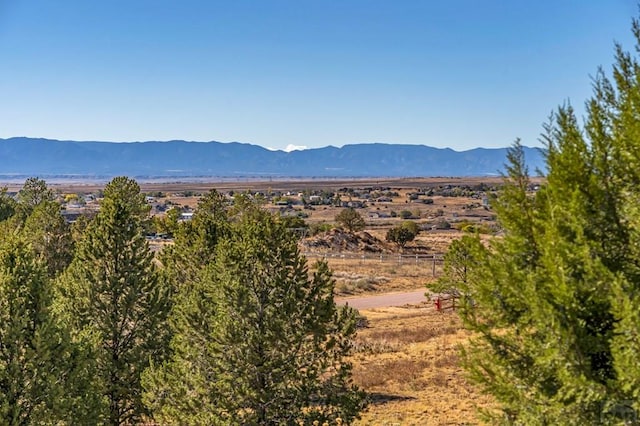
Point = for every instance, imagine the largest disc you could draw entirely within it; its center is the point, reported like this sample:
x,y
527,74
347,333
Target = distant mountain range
x,y
23,156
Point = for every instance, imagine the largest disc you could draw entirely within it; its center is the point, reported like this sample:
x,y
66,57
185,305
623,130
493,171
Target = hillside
x,y
45,157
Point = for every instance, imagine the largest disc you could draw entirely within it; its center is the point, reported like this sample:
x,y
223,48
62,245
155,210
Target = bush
x,y
474,227
442,224
318,228
406,214
411,226
402,234
350,219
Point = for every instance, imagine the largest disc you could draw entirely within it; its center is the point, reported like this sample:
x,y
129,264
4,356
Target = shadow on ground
x,y
377,398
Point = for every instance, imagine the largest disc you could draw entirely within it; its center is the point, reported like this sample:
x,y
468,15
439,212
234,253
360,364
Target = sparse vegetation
x,y
414,377
318,228
350,283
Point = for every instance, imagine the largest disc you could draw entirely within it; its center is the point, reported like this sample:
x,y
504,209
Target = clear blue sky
x,y
444,73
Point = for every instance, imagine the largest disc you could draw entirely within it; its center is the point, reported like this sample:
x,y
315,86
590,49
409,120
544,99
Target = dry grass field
x,y
407,359
357,276
245,184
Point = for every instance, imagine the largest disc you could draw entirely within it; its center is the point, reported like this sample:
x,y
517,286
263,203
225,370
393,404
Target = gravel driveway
x,y
384,300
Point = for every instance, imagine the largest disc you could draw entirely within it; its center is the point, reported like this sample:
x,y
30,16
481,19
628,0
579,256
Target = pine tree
x,y
556,300
195,241
183,394
461,264
258,341
33,192
127,193
43,376
7,205
114,297
50,236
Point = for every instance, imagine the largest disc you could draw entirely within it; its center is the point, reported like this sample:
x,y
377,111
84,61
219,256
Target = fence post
x,y
433,269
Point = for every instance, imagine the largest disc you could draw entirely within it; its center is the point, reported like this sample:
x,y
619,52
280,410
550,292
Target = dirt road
x,y
384,300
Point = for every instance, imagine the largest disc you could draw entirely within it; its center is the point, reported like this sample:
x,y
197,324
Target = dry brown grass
x,y
407,360
355,276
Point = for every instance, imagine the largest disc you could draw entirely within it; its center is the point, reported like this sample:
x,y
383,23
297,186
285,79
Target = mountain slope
x,y
43,157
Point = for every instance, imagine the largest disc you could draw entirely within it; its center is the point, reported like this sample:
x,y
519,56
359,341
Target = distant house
x,y
352,204
378,215
184,217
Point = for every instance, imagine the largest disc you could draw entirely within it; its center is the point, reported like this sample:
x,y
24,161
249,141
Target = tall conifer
x,y
43,376
556,299
50,236
115,299
196,240
258,340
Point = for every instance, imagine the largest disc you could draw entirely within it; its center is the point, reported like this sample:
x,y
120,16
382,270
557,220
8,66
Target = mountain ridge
x,y
179,158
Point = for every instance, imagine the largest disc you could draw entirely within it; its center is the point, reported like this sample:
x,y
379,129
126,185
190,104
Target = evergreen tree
x,y
33,192
556,300
461,264
127,192
195,241
185,264
167,224
50,236
114,297
43,376
7,205
79,227
258,341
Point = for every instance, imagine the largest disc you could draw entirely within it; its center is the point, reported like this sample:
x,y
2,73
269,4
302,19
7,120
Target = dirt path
x,y
384,300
